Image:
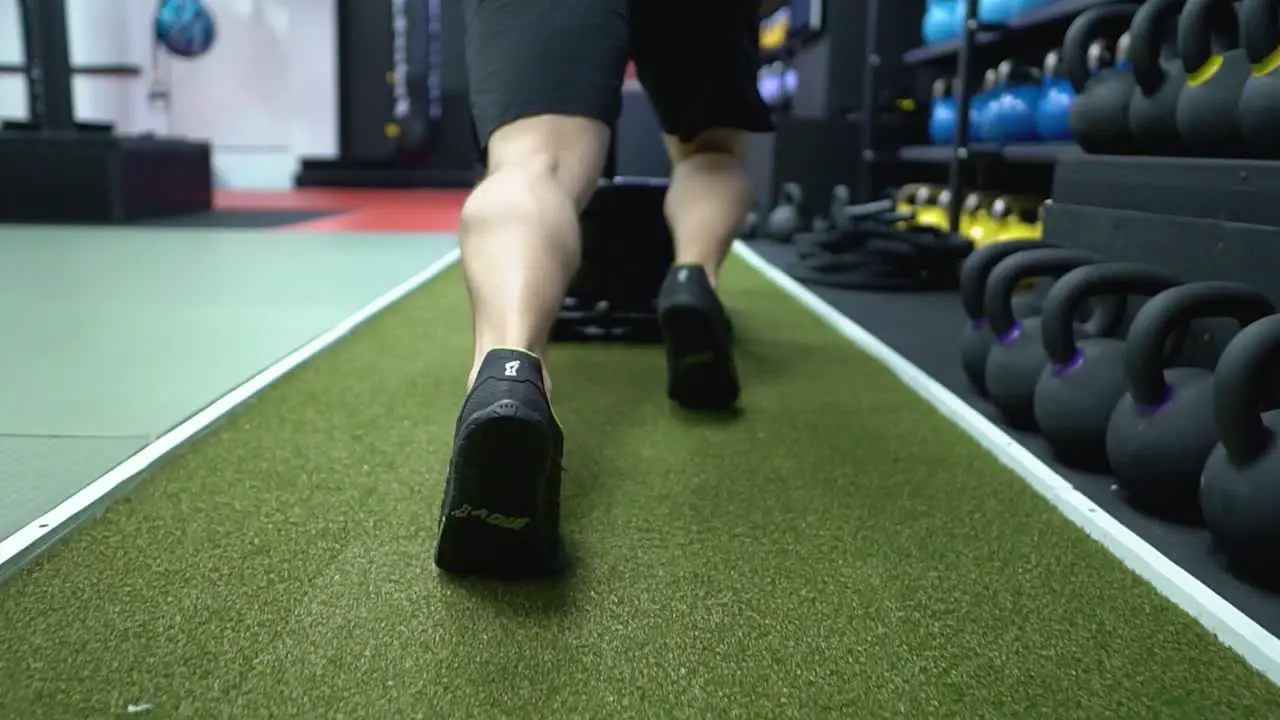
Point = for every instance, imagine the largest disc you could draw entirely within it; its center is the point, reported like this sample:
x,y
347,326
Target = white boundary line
x,y
45,530
1258,647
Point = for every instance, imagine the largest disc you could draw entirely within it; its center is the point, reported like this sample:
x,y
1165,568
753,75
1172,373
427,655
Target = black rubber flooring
x,y
925,328
249,219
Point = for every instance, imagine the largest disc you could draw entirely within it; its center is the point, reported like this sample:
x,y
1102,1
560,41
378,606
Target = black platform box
x,y
1199,219
344,173
101,178
1202,219
1241,191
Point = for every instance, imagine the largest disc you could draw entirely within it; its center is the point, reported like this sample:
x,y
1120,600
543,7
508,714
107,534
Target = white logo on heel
x,y
511,368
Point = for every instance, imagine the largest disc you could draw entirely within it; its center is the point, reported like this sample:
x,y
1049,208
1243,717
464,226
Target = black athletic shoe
x,y
501,510
700,370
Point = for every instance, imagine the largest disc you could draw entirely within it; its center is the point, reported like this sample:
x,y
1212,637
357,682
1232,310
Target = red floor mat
x,y
358,210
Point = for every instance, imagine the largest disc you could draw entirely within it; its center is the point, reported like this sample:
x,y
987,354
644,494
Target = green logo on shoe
x,y
497,519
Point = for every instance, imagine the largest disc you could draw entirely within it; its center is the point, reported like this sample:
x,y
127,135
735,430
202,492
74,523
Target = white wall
x,y
265,94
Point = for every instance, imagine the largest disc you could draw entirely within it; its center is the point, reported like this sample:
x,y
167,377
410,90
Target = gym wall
x,y
115,32
264,95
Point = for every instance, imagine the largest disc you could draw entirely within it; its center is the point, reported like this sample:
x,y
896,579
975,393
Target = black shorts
x,y
697,59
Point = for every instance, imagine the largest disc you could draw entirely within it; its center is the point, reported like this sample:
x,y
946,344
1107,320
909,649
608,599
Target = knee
x,y
542,155
516,193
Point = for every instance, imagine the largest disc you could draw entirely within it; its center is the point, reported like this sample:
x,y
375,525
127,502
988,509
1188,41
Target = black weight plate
x,y
869,277
833,262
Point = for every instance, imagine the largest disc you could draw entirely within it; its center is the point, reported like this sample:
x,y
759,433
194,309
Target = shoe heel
x,y
491,520
701,373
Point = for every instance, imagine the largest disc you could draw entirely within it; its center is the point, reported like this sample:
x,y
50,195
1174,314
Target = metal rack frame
x,y
48,67
959,160
867,112
964,98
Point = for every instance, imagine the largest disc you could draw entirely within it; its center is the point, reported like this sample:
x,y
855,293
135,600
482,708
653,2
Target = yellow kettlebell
x,y
931,206
975,218
904,203
1020,218
905,199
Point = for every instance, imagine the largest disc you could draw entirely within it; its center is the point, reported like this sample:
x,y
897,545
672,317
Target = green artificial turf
x,y
840,551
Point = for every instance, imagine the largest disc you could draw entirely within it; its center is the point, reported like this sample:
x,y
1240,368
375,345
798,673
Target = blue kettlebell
x,y
1002,11
1053,114
185,27
942,113
1011,114
997,11
939,24
978,107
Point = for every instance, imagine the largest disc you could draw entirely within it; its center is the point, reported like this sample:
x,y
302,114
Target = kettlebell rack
x,y
962,154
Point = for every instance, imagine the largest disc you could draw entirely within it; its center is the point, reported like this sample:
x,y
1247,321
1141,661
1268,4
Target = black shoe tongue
x,y
511,365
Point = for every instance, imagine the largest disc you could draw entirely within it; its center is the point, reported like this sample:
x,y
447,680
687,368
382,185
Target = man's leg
x,y
544,80
700,74
708,197
519,227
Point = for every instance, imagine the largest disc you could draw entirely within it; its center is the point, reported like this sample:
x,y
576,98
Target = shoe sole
x,y
701,373
490,520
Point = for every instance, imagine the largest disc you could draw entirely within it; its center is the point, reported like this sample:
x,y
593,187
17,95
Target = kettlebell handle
x,y
1260,32
1081,34
840,197
997,303
1245,366
1201,23
1052,65
792,193
906,194
1164,314
975,271
1071,291
1146,41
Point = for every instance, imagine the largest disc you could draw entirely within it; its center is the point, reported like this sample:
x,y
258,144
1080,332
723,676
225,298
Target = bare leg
x,y
520,249
519,228
708,197
706,201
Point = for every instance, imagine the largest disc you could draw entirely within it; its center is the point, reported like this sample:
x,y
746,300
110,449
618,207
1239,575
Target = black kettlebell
x,y
1083,380
1240,486
750,224
1157,72
784,219
1260,99
975,342
1217,69
1017,355
1162,430
838,209
1102,79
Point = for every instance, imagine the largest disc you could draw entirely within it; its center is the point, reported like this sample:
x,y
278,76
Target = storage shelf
x,y
121,69
1055,12
1045,153
1038,153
